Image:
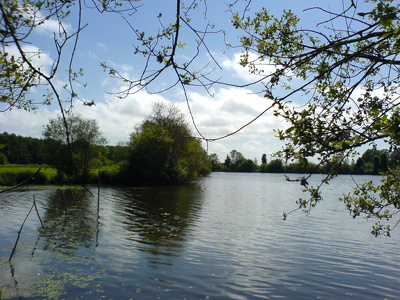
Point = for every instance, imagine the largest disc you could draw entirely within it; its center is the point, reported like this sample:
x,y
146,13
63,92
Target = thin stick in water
x,y
19,234
37,211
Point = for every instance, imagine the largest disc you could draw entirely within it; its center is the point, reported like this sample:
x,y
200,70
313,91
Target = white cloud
x,y
44,24
230,109
26,123
38,58
118,117
244,73
102,46
50,26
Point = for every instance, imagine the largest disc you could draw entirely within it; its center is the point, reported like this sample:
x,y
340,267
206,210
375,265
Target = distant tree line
x,y
160,150
16,149
372,161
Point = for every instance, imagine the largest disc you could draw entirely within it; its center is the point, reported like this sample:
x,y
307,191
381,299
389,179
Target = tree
x,y
74,158
370,154
348,73
345,167
228,163
236,158
118,153
19,73
163,150
215,163
359,166
384,162
394,157
17,151
3,157
264,159
246,165
275,166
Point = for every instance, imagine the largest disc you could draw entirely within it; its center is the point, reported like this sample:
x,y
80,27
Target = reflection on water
x,y
157,218
70,221
50,259
222,237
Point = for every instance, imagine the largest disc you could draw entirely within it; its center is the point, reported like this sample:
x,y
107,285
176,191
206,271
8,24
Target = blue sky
x,y
109,39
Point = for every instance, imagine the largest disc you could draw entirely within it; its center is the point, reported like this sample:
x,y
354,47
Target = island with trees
x,y
162,150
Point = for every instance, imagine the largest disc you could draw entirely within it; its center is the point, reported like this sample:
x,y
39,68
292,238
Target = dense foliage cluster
x,y
72,145
163,149
22,150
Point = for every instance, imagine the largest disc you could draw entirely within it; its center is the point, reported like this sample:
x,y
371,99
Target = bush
x,y
14,178
111,175
163,150
3,159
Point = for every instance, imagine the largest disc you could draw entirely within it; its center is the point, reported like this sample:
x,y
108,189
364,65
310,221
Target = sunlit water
x,y
222,238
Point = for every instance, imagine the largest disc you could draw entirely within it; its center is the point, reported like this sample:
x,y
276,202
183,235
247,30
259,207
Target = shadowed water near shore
x,y
222,237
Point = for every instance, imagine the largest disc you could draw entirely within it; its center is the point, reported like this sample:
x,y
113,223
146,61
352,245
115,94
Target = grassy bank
x,y
12,174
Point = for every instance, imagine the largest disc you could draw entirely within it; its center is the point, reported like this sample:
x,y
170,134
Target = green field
x,y
11,168
13,174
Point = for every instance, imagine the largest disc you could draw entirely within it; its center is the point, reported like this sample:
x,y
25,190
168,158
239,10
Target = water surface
x,y
220,238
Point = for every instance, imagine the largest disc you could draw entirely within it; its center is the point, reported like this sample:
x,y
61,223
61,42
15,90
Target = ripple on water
x,y
223,239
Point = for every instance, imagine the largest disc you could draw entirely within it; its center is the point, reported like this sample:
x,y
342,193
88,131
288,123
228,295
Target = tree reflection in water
x,y
158,218
70,220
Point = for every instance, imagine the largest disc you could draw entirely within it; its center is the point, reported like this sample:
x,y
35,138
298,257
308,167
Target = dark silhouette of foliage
x,y
164,151
22,150
275,166
264,159
3,159
246,165
215,163
227,163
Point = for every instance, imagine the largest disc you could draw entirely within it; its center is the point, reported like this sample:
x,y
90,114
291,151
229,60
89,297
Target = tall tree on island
x,y
163,150
73,158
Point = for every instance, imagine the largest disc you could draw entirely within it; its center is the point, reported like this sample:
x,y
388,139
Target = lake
x,y
220,238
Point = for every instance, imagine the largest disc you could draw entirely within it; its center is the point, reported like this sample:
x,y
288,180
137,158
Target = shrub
x,y
13,178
